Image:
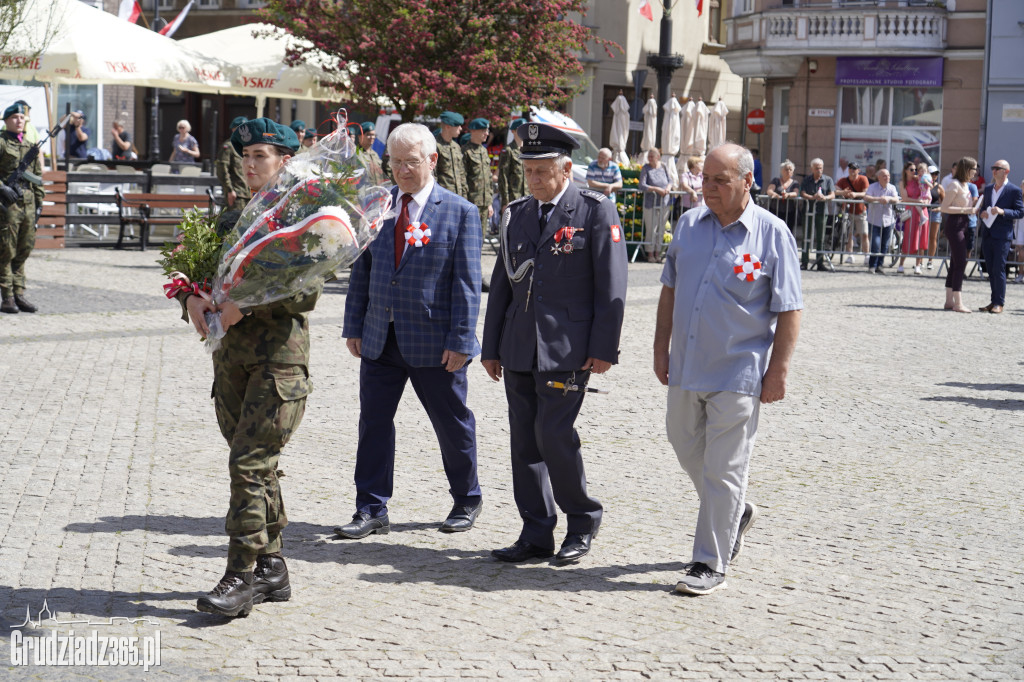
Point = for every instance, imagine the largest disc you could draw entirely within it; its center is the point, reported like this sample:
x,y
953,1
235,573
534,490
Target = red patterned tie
x,y
400,228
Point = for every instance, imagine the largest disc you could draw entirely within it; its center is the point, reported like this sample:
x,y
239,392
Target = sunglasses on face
x,y
995,168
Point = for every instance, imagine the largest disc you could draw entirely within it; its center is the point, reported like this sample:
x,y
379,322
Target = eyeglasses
x,y
995,168
411,164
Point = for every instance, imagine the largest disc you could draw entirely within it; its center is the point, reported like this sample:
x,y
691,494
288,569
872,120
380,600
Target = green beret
x,y
264,131
297,123
309,133
451,118
514,125
463,139
479,124
237,121
16,108
367,126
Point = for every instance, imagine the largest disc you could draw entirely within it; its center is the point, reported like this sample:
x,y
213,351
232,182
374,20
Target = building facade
x,y
854,80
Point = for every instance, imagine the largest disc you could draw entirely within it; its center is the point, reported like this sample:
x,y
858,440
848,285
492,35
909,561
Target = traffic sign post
x,y
755,121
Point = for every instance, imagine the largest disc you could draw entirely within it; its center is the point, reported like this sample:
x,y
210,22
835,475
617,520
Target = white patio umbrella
x,y
650,126
256,65
700,130
716,126
619,137
670,136
688,126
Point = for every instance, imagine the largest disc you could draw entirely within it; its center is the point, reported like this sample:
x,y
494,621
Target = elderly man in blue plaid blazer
x,y
410,315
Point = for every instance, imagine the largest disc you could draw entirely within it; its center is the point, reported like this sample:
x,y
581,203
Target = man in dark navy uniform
x,y
554,315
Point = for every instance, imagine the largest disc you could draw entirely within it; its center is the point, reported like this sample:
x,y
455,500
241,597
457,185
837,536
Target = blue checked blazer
x,y
434,294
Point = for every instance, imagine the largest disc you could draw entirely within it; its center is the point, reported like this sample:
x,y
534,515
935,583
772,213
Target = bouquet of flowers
x,y
191,261
315,216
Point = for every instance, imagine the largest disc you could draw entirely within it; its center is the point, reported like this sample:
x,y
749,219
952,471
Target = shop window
x,y
896,125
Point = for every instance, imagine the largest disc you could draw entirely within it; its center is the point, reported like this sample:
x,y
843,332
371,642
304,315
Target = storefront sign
x,y
1013,113
907,72
821,113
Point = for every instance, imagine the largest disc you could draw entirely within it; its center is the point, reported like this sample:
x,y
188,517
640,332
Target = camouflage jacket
x,y
511,180
450,172
230,172
478,175
372,163
11,153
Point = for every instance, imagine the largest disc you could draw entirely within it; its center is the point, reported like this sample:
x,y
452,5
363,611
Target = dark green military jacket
x,y
274,333
450,172
478,175
371,162
11,153
231,174
511,179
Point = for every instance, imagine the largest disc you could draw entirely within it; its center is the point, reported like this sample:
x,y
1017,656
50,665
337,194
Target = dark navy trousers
x,y
443,396
995,251
547,465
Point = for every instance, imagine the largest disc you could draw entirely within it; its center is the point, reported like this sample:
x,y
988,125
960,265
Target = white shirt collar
x,y
558,197
419,200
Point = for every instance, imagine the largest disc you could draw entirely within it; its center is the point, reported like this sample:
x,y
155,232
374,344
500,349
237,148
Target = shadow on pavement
x,y
991,403
1010,388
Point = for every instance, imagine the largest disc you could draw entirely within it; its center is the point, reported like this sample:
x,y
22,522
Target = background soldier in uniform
x,y
450,172
261,379
511,181
478,170
366,154
230,172
554,315
18,220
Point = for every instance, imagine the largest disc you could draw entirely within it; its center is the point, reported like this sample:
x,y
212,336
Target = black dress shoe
x,y
362,525
9,306
521,550
462,517
232,597
23,304
270,581
575,547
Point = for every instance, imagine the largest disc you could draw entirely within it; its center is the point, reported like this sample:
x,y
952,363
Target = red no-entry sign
x,y
755,121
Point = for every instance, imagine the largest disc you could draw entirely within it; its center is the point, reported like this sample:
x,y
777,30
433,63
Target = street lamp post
x,y
154,108
664,63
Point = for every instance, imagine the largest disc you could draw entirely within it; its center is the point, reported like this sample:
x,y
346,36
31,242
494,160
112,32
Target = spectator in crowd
x,y
121,144
870,173
956,205
758,184
916,190
308,139
841,167
78,134
819,189
299,126
604,175
972,219
936,194
1018,244
853,186
784,190
184,148
656,185
880,165
880,197
1001,204
691,181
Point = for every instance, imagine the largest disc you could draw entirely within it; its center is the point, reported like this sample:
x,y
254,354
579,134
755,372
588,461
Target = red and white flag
x,y
170,28
645,10
129,11
700,7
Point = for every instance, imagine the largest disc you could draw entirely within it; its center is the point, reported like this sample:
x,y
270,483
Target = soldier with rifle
x,y
21,201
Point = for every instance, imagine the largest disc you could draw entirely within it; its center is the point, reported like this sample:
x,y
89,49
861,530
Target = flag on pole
x,y
645,9
129,11
170,28
700,7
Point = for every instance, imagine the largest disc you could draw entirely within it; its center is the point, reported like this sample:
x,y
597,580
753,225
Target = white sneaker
x,y
849,259
917,269
899,270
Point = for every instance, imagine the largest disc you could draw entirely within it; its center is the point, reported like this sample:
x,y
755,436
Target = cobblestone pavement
x,y
889,545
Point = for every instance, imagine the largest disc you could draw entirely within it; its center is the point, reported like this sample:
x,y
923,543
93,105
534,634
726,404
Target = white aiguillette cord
x,y
520,273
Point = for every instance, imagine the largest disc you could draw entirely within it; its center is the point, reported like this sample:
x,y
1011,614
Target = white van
x,y
866,144
581,157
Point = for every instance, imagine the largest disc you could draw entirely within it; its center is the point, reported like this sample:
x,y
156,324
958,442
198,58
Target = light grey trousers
x,y
713,435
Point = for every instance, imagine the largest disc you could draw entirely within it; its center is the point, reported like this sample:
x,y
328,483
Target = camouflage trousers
x,y
258,408
17,238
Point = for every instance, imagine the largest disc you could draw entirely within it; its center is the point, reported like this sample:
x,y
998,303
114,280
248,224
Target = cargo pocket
x,y
291,382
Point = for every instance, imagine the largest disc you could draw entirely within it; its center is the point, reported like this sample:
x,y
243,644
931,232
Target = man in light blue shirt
x,y
731,289
604,175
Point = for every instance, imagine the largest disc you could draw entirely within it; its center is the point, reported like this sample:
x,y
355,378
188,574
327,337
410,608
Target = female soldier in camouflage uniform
x,y
259,388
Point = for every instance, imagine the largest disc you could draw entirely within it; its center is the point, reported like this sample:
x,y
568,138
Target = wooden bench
x,y
141,209
50,226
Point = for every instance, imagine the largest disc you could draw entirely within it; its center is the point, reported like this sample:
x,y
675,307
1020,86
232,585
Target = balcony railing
x,y
843,29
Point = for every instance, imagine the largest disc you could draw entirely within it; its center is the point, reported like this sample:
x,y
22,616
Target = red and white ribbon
x,y
417,234
747,267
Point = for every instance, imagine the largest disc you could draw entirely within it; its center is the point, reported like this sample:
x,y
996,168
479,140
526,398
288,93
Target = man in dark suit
x,y
554,315
1003,200
410,315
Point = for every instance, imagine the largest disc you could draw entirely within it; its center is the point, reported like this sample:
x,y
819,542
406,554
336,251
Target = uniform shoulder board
x,y
593,194
517,201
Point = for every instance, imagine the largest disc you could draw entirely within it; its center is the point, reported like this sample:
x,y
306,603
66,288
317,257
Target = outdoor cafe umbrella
x,y
700,130
256,65
688,126
716,127
620,130
670,136
650,126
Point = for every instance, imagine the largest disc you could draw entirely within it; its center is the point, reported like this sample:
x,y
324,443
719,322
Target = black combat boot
x,y
8,305
232,597
23,304
271,579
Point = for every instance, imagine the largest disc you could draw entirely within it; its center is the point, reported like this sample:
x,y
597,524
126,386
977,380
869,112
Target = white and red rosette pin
x,y
417,234
747,267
